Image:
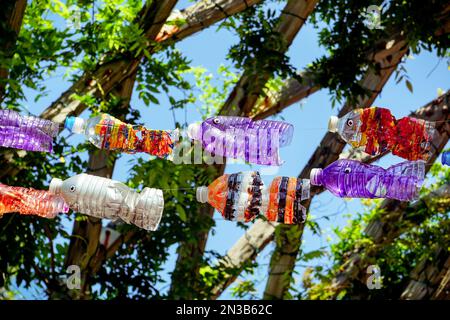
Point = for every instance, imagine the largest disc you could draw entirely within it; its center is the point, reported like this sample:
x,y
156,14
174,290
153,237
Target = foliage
x,y
346,38
211,95
52,42
261,49
396,259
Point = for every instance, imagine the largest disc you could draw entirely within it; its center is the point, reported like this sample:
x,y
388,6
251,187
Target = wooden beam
x,y
109,75
84,248
393,222
328,151
245,94
240,102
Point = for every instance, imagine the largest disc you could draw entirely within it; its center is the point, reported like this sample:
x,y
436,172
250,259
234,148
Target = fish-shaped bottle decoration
x,y
243,197
26,132
242,138
377,130
105,198
353,179
107,132
28,201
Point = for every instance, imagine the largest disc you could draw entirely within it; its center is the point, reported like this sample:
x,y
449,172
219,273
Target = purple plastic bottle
x,y
353,179
242,138
26,132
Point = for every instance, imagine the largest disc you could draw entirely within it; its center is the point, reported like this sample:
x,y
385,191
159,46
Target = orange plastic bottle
x,y
243,196
31,202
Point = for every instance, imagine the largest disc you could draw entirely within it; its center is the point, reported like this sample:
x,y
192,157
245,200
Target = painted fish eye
x,y
216,120
72,188
350,122
347,170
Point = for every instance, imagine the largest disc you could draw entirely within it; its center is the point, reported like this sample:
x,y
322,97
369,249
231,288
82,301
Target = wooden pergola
x,y
118,77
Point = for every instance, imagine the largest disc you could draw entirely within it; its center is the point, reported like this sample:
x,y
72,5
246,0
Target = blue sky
x,y
208,49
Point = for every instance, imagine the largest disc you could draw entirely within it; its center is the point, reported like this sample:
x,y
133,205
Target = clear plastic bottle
x,y
29,201
105,198
91,128
348,127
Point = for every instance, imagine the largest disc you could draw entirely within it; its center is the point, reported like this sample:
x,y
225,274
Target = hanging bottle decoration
x,y
106,198
243,197
107,132
242,138
377,130
446,158
28,201
26,132
354,179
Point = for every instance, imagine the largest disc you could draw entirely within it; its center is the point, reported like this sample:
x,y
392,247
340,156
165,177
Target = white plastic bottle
x,y
105,198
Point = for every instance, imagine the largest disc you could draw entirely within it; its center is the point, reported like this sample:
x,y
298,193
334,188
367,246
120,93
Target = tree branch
x,y
393,222
327,152
240,102
84,248
109,75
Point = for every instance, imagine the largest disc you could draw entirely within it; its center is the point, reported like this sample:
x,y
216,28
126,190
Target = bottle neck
x,y
75,125
55,186
316,177
202,194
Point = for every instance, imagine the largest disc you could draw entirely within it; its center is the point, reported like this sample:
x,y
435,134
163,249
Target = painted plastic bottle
x,y
105,198
354,179
377,131
243,197
26,132
29,201
107,132
286,195
243,138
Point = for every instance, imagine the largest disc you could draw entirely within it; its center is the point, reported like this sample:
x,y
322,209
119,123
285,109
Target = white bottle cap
x,y
193,131
316,176
55,185
202,194
333,124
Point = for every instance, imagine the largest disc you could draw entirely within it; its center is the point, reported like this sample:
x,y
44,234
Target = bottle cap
x,y
75,124
202,194
55,186
193,131
333,124
316,177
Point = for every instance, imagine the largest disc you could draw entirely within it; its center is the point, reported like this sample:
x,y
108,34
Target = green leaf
x,y
181,212
409,86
